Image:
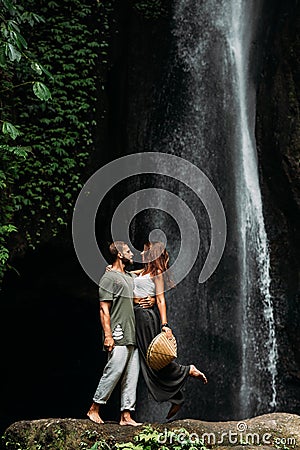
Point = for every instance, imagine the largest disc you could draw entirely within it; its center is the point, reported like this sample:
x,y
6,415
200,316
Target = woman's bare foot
x,y
127,420
93,413
194,372
173,410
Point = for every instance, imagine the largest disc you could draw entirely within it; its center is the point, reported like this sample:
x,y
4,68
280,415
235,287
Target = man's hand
x,y
147,302
109,343
108,268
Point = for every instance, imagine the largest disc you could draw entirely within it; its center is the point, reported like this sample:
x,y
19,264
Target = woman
x,y
151,317
165,384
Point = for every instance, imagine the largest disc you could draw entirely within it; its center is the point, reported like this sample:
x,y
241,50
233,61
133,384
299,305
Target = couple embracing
x,y
132,312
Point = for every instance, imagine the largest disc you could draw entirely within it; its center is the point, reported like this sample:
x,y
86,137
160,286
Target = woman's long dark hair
x,y
156,260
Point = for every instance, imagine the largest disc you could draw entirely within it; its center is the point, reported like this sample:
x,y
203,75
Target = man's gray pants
x,y
123,363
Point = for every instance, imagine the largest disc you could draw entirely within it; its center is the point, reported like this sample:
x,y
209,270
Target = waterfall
x,y
204,111
214,41
252,227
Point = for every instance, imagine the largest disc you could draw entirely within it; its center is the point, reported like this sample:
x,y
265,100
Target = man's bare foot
x,y
93,413
194,372
95,417
131,422
127,420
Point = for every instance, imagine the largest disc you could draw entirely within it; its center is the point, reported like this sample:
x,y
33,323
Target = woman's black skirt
x,y
165,384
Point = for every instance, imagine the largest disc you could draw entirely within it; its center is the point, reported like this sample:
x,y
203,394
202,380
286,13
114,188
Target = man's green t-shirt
x,y
117,287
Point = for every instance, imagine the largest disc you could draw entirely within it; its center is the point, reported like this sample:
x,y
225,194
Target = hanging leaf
x,y
31,18
12,53
36,67
12,25
46,72
18,39
2,57
8,228
41,91
8,5
38,18
8,128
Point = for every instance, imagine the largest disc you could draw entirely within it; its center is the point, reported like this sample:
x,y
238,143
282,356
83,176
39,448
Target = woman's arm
x,y
161,302
137,272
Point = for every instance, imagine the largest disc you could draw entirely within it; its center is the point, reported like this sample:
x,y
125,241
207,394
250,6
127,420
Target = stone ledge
x,y
268,431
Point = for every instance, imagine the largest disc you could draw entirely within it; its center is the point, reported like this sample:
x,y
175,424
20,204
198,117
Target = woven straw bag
x,y
161,351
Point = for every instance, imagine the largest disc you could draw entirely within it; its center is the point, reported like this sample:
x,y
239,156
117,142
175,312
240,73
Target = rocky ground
x,y
269,431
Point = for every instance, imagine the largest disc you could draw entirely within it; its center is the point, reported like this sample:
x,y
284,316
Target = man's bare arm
x,y
105,322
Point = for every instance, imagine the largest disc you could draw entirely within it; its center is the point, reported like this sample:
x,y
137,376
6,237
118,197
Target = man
x,y
118,324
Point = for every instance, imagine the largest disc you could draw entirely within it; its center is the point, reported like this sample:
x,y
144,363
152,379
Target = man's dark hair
x,y
115,248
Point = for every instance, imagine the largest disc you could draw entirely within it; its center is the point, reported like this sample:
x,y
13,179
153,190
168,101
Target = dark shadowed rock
x,y
269,431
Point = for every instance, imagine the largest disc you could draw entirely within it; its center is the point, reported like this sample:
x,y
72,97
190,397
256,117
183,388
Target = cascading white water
x,y
214,40
252,226
205,112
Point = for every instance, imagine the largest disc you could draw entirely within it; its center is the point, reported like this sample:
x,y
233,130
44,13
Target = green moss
x,y
151,9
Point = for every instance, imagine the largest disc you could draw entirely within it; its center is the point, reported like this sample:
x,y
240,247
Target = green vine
x,y
53,107
151,9
13,52
55,141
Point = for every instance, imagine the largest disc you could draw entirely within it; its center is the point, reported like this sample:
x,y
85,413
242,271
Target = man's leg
x,y
128,387
112,372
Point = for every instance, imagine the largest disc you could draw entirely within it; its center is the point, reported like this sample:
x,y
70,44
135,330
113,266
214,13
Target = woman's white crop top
x,y
143,286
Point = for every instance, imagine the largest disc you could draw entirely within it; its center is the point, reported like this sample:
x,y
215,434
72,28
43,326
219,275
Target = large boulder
x,y
269,431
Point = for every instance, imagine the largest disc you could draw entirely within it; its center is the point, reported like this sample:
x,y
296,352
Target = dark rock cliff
x,y
278,142
49,314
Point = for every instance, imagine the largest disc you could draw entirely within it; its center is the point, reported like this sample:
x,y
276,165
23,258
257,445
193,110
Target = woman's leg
x,y
165,384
